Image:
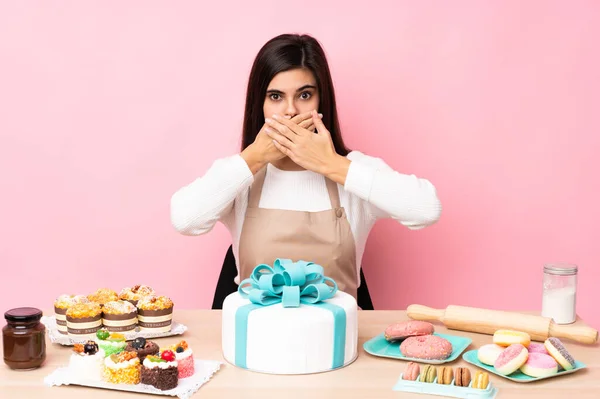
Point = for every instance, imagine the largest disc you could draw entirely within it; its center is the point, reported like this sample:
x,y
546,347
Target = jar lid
x,y
24,315
561,269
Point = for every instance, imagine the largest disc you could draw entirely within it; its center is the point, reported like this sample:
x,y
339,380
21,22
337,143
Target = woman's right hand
x,y
262,151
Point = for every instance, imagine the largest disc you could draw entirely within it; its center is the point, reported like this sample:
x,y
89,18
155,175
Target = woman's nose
x,y
290,110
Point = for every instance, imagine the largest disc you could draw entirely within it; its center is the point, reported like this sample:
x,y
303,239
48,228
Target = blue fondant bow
x,y
290,283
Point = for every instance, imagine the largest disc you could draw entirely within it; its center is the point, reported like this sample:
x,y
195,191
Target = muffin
x,y
110,343
155,313
61,305
122,368
160,371
103,295
142,347
83,320
135,293
119,316
185,360
86,362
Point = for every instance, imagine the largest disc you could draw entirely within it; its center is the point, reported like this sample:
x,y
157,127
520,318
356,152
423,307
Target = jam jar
x,y
24,339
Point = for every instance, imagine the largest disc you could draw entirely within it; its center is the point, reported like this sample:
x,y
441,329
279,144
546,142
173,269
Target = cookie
x,y
428,374
462,378
405,329
430,347
445,375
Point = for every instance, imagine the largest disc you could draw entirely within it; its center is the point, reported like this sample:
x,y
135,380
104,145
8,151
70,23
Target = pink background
x,y
107,108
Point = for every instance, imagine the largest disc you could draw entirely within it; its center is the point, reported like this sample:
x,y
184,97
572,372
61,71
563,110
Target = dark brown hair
x,y
284,53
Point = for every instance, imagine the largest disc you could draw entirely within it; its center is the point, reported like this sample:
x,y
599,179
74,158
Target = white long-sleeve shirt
x,y
372,191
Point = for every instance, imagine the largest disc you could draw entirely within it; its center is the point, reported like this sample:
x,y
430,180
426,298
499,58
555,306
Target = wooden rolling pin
x,y
487,321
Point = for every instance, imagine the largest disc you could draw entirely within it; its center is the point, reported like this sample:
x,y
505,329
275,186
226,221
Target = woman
x,y
295,191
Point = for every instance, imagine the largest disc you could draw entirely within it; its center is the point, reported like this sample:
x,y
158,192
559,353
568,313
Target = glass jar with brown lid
x,y
24,339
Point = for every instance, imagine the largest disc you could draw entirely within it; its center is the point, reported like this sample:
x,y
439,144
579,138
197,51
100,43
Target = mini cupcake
x,y
142,347
103,295
61,305
122,368
83,320
119,316
86,362
135,293
185,360
160,371
155,313
110,343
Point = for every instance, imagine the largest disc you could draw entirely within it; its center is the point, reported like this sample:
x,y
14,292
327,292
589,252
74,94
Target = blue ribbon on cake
x,y
291,284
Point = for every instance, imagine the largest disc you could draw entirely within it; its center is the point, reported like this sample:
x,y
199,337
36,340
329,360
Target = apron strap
x,y
256,188
334,194
259,181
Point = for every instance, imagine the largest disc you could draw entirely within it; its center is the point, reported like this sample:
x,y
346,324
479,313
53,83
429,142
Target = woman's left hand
x,y
312,151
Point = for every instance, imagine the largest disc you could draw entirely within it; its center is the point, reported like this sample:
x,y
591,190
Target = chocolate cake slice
x,y
142,347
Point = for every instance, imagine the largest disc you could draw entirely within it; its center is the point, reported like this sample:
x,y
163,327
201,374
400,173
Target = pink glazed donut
x,y
539,365
429,347
511,359
536,347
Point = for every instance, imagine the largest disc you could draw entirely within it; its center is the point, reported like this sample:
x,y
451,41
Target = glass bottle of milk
x,y
560,292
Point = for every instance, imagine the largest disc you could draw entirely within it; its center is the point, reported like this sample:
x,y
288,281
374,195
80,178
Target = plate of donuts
x,y
418,342
512,355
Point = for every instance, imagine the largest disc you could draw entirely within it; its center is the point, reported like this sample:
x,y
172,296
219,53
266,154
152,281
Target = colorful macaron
x,y
428,374
445,375
431,347
412,372
481,379
462,377
558,351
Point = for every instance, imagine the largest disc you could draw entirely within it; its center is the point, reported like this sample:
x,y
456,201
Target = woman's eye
x,y
274,97
305,95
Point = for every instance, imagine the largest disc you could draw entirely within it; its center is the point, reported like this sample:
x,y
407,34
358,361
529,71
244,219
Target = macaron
x,y
488,354
509,337
558,351
412,372
428,374
480,380
405,329
539,365
462,377
431,347
511,359
445,375
536,347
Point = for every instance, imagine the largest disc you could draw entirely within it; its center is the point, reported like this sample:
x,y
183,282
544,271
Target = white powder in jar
x,y
559,304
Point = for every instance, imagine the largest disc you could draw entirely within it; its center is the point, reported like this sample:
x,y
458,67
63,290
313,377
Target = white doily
x,y
63,339
186,387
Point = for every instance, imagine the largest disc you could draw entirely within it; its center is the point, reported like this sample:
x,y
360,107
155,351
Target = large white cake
x,y
290,340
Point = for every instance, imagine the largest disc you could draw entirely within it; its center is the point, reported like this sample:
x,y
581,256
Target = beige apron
x,y
322,237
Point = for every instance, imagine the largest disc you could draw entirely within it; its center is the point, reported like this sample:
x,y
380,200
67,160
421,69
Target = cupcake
x,y
110,343
83,320
61,305
142,347
122,368
160,371
86,362
185,360
103,295
155,313
135,293
119,316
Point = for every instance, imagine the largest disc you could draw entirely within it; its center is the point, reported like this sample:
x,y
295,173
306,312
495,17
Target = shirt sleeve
x,y
198,206
410,200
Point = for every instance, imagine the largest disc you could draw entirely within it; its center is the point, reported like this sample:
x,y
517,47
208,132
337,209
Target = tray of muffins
x,y
457,382
136,311
108,361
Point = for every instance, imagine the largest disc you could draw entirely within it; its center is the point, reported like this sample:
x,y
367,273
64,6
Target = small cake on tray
x,y
160,371
155,314
185,360
142,347
119,316
86,362
83,320
122,368
61,305
110,343
135,293
103,295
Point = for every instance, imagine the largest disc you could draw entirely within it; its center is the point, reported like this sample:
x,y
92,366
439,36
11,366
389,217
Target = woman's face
x,y
291,93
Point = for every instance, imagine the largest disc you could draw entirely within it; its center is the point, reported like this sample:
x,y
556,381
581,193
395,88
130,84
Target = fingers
x,y
319,123
282,129
279,138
